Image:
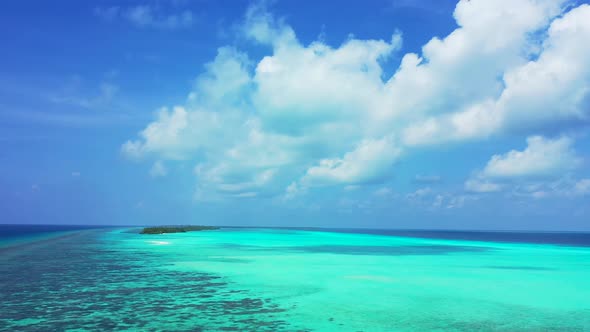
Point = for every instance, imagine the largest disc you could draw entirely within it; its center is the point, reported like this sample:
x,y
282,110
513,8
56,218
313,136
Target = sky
x,y
416,114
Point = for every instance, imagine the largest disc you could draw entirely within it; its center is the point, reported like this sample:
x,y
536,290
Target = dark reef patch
x,y
77,282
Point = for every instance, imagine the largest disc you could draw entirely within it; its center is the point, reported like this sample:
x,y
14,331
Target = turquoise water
x,y
290,280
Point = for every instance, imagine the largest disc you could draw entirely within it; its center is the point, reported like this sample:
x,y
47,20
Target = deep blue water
x,y
558,238
15,234
11,232
577,239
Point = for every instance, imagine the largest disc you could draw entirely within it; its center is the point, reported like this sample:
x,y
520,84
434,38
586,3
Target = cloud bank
x,y
309,116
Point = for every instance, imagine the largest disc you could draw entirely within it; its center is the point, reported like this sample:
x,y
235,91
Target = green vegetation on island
x,y
176,229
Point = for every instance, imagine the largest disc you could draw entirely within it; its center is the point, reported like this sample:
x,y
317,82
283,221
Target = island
x,y
176,229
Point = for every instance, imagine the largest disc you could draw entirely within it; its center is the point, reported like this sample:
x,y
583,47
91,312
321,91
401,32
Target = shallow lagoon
x,y
291,280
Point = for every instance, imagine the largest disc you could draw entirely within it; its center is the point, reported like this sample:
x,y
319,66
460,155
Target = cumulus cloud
x,y
536,94
370,160
277,118
305,116
541,157
542,169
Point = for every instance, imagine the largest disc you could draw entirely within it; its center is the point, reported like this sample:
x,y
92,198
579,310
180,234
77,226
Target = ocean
x,y
57,278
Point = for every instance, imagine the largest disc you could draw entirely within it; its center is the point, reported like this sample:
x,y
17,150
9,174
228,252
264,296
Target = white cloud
x,y
236,120
543,169
147,16
211,121
541,157
419,193
263,27
582,187
457,202
479,185
317,86
549,90
158,169
463,67
75,93
312,115
369,161
317,89
383,192
162,136
556,86
434,200
564,187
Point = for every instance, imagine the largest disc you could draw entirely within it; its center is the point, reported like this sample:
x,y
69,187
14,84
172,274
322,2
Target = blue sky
x,y
388,114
